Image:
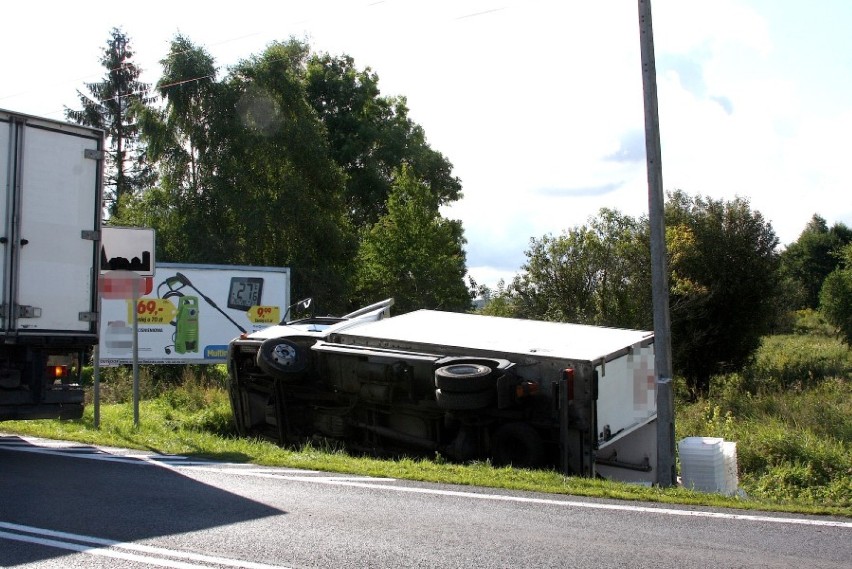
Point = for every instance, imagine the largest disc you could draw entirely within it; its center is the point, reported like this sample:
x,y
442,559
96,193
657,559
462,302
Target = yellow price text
x,y
152,311
264,314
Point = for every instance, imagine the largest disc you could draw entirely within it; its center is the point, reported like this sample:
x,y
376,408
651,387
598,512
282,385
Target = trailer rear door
x,y
51,216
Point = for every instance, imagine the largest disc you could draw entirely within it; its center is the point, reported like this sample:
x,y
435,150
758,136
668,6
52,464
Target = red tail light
x,y
57,372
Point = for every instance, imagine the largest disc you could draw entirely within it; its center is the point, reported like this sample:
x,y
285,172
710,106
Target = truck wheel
x,y
280,358
517,444
452,401
464,378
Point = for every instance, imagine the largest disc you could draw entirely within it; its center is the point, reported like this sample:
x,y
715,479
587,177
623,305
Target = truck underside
x,y
391,403
39,383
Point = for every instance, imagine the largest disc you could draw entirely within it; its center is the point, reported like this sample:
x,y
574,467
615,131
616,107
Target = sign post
x,y
129,286
127,271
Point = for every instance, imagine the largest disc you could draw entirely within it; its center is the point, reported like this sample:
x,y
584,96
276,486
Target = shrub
x,y
795,361
793,444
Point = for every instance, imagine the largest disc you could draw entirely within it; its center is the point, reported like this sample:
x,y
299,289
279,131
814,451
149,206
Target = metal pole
x,y
666,475
96,355
136,352
96,378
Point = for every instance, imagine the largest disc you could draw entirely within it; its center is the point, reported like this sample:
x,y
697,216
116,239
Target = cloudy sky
x,y
538,104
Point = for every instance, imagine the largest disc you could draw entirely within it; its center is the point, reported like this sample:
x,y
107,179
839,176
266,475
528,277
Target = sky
x,y
537,104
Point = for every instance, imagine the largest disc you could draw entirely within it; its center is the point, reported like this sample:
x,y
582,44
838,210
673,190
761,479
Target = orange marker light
x,y
57,372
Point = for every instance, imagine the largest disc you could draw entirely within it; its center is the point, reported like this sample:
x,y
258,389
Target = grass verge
x,y
195,421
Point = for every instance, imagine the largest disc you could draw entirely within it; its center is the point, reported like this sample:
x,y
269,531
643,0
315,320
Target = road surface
x,y
69,505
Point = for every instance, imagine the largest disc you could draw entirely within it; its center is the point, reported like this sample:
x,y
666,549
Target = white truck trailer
x,y
50,242
576,398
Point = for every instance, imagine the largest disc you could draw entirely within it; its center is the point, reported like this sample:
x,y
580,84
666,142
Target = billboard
x,y
192,312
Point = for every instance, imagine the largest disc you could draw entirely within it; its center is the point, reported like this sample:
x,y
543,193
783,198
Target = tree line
x,y
293,158
288,158
729,283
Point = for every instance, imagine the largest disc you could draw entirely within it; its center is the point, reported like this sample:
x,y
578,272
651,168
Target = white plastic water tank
x,y
708,464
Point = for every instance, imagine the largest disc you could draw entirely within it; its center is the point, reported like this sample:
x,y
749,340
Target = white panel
x,y
59,201
627,393
505,335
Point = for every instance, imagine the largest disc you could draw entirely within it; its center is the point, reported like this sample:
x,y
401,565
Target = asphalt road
x,y
64,505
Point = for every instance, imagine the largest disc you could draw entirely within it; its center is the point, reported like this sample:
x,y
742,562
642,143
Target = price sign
x,y
264,314
152,311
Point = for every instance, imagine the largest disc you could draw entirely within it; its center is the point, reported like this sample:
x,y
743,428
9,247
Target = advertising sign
x,y
192,312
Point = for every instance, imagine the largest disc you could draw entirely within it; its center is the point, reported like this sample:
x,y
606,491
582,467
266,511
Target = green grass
x,y
184,430
790,414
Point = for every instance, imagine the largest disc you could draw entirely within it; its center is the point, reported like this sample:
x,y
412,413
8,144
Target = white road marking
x,y
593,505
365,482
73,450
120,550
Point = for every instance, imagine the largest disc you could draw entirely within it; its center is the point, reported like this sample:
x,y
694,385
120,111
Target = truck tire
x,y
517,444
466,401
281,358
464,378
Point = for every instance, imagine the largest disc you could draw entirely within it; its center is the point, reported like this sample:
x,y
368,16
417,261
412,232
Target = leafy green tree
x,y
412,253
370,136
496,302
836,296
246,173
592,274
811,258
283,162
724,267
109,105
179,137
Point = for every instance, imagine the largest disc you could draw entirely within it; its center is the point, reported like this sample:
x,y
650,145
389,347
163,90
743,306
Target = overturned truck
x,y
576,398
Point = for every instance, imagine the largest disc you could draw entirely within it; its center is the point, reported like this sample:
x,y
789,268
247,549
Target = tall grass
x,y
790,412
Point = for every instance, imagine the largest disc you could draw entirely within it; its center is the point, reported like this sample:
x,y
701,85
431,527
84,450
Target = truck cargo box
x,y
50,215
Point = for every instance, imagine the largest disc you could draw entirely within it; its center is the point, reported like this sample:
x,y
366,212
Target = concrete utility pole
x,y
666,475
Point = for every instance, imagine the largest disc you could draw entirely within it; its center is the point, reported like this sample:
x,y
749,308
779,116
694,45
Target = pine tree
x,y
110,105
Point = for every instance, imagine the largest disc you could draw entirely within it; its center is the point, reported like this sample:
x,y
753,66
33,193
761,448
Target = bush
x,y
792,445
811,322
795,361
116,383
835,301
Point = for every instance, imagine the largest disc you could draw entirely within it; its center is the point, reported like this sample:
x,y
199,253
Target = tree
x,y
371,136
812,257
592,274
499,302
110,106
283,162
836,296
724,265
246,172
178,137
412,253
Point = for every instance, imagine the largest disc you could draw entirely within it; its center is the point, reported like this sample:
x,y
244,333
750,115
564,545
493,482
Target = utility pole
x,y
666,475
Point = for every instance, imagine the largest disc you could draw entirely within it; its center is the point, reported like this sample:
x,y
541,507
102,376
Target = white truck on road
x,y
50,219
